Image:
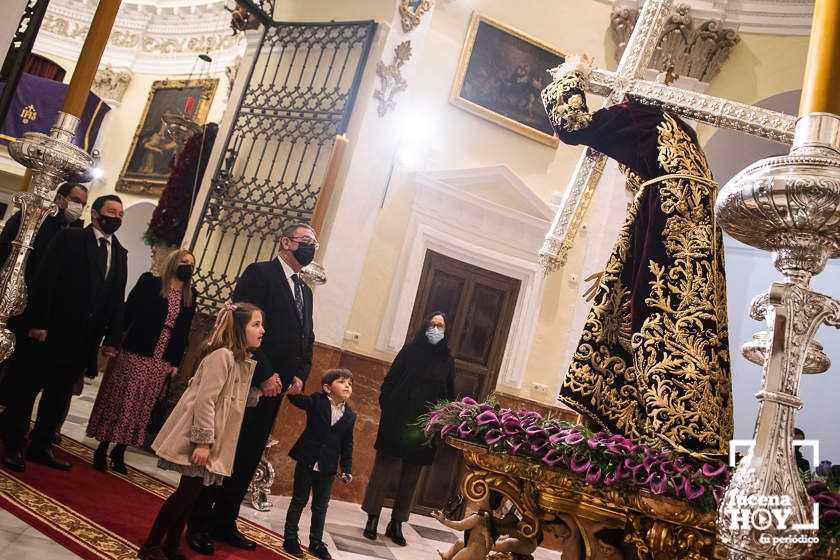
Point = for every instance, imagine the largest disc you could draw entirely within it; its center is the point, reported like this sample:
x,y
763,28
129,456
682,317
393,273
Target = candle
x,y
188,107
328,186
821,87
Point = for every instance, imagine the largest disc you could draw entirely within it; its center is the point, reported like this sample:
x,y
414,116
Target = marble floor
x,y
343,530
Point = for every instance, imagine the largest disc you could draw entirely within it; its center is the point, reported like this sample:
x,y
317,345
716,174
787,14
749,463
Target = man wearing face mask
x,y
283,361
71,199
77,299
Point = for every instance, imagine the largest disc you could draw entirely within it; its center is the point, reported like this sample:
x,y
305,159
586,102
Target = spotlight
x,y
97,173
409,157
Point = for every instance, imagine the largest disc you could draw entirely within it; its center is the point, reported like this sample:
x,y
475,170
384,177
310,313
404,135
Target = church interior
x,y
625,212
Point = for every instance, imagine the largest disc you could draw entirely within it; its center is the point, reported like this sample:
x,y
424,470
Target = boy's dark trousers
x,y
320,484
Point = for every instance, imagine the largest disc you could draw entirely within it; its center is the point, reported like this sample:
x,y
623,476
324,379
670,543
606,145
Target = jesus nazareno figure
x,y
653,360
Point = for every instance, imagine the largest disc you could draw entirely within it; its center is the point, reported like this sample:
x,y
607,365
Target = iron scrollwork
x,y
299,95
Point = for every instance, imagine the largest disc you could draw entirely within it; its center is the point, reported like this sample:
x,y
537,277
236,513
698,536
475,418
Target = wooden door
x,y
479,306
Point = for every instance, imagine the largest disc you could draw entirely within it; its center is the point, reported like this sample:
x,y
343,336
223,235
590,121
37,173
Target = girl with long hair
x,y
199,438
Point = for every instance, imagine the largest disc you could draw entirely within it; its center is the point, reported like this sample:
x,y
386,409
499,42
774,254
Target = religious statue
x,y
480,535
653,360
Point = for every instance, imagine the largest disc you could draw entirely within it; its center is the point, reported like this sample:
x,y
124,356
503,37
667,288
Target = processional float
x,y
789,205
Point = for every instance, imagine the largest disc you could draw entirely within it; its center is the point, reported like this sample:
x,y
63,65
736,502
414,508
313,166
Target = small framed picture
x,y
500,76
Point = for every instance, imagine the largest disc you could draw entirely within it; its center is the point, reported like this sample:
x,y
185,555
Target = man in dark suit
x,y
71,199
283,360
78,298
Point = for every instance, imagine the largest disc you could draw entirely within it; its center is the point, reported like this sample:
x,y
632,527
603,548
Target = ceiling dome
x,y
149,36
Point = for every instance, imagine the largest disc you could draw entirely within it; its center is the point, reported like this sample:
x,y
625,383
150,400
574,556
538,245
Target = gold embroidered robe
x,y
653,360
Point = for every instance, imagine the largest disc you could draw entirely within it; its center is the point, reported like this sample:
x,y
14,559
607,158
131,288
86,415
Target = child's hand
x,y
200,455
437,514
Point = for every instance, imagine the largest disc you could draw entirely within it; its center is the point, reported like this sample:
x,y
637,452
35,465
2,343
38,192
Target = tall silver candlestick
x,y
789,205
53,159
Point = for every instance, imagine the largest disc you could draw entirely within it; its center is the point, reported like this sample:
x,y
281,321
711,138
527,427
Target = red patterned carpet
x,y
104,515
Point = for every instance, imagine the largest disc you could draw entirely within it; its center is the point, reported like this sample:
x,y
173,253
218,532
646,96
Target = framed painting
x,y
146,168
500,76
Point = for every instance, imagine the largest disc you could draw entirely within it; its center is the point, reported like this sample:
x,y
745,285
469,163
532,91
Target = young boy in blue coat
x,y
325,445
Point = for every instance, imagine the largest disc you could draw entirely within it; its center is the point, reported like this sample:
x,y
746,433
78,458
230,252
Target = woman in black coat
x,y
422,374
158,314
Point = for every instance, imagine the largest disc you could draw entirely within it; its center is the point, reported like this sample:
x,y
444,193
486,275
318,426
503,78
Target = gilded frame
x,y
137,181
411,15
534,104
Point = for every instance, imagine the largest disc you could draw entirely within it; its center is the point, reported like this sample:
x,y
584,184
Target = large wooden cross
x,y
627,83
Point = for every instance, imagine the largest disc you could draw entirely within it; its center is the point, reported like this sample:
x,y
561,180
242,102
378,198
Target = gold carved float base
x,y
655,527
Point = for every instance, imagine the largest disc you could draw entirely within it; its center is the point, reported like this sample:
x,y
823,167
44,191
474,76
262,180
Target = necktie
x,y
103,254
298,296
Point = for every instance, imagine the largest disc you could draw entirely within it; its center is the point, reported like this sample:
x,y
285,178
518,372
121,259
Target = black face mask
x,y
109,224
184,272
304,254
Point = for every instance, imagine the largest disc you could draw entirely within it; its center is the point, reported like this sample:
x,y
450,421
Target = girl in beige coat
x,y
199,438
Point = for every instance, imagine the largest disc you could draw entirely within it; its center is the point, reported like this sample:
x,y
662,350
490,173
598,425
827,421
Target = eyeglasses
x,y
305,241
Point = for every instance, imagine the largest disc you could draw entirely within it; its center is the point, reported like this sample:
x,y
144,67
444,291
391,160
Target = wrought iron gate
x,y
301,90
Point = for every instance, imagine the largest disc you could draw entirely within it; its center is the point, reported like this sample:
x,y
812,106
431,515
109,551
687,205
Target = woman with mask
x,y
422,374
158,314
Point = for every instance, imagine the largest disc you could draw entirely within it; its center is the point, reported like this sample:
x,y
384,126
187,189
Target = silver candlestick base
x,y
53,159
179,127
314,274
259,490
789,205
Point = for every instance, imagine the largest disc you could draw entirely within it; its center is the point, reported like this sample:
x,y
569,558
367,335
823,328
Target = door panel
x,y
484,311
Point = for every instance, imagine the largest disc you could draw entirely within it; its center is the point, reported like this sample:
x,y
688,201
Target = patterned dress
x,y
129,392
653,359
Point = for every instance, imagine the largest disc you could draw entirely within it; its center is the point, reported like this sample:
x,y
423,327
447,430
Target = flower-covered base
x,y
616,499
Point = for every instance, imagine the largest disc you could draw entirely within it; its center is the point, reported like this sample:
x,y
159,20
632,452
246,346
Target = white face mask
x,y
434,334
73,211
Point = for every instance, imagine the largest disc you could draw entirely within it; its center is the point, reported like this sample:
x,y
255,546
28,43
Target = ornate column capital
x,y
110,84
697,48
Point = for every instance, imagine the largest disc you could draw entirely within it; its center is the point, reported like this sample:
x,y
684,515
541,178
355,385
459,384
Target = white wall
x,y
135,222
9,24
750,272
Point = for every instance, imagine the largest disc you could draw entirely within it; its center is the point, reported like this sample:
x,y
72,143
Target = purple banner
x,y
35,107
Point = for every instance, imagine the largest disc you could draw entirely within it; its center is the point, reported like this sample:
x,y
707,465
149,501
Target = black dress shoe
x,y
200,542
370,527
394,531
235,539
45,456
292,546
14,461
320,550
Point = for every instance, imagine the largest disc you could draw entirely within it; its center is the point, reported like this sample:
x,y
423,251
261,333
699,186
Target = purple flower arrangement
x,y
600,458
829,512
